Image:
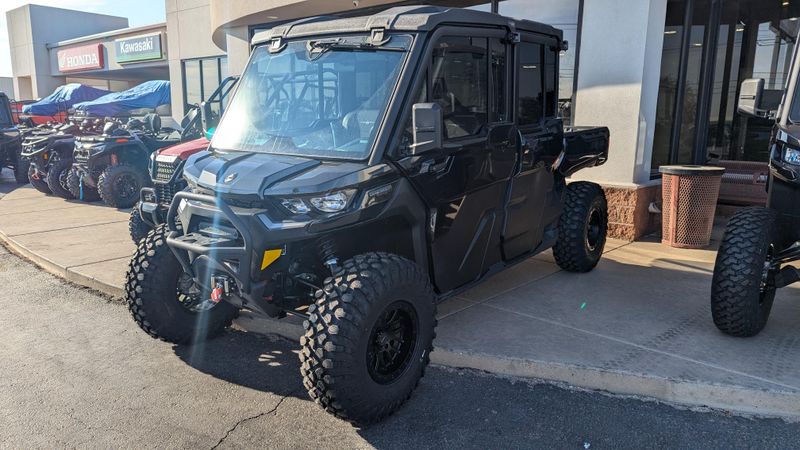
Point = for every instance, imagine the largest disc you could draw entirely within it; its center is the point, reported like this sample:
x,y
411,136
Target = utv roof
x,y
401,18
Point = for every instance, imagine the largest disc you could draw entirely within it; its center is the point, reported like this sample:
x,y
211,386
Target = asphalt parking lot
x,y
77,372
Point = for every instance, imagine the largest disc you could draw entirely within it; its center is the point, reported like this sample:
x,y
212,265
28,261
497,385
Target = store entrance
x,y
710,47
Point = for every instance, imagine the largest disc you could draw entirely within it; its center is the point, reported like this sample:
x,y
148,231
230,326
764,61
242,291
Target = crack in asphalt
x,y
247,419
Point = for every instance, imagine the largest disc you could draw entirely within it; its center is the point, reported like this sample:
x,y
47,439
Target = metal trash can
x,y
689,195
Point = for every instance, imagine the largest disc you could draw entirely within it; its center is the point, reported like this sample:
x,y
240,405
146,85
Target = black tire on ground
x,y
21,170
137,227
742,289
119,185
37,181
74,187
57,178
368,337
151,292
582,227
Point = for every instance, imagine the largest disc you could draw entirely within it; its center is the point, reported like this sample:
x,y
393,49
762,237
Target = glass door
x,y
710,47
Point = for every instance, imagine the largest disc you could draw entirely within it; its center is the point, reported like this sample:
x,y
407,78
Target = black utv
x,y
761,243
11,142
364,170
49,154
113,166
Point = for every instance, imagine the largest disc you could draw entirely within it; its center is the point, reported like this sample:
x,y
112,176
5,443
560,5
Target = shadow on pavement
x,y
264,363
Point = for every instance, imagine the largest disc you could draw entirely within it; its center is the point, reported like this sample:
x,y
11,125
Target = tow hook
x,y
220,288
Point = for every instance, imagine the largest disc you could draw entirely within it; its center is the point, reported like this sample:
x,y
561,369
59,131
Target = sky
x,y
138,12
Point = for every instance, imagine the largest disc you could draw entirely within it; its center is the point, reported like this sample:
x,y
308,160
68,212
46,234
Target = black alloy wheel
x,y
391,342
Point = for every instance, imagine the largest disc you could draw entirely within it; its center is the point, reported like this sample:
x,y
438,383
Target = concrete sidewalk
x,y
639,324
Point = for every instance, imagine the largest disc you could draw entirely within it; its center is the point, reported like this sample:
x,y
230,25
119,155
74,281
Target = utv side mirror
x,y
755,101
427,123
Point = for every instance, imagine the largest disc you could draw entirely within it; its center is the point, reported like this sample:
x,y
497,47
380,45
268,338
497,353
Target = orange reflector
x,y
121,141
270,256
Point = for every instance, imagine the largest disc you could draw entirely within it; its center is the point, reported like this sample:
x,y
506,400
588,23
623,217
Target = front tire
x,y
137,227
21,170
368,337
57,178
119,185
743,286
83,193
36,180
157,298
582,228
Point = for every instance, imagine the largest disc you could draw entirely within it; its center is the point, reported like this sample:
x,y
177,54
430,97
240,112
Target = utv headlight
x,y
327,203
333,202
791,156
296,206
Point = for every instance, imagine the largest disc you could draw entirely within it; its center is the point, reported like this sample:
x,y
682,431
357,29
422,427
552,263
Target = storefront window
x,y
192,81
696,118
562,14
201,77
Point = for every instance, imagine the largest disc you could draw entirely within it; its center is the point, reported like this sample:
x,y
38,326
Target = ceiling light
x,y
785,3
739,30
697,44
670,32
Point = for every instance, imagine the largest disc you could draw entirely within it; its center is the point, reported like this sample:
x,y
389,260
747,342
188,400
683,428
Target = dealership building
x,y
663,75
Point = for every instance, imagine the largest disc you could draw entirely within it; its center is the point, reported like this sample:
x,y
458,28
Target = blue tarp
x,y
147,95
62,99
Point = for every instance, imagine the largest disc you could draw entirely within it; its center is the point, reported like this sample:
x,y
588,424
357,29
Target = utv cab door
x,y
465,183
532,202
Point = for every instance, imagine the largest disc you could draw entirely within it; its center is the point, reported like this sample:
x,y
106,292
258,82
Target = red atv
x,y
166,172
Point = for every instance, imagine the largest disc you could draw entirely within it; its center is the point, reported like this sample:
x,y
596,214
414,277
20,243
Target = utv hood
x,y
186,149
254,174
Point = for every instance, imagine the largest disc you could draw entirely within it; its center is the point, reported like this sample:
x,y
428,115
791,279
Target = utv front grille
x,y
164,171
80,156
165,191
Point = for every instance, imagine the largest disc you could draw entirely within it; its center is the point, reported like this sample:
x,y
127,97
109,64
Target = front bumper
x,y
234,250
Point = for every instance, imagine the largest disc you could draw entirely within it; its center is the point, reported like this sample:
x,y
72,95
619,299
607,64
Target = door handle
x,y
434,166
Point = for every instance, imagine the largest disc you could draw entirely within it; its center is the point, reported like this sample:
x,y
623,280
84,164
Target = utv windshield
x,y
318,97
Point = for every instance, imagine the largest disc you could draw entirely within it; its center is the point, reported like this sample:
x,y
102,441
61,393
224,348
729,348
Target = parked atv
x,y
11,142
49,155
166,175
113,166
363,171
166,166
760,242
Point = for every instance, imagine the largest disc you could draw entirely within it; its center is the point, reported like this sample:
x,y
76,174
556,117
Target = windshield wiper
x,y
321,46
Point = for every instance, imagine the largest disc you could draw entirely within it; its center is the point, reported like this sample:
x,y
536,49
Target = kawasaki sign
x,y
138,48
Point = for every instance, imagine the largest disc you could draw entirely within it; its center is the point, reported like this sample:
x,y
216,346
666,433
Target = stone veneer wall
x,y
628,215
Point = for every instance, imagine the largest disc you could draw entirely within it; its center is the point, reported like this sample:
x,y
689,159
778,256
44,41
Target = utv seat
x,y
153,144
360,123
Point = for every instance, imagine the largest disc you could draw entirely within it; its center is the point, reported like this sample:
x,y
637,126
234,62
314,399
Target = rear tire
x,y
368,337
119,185
37,181
137,227
742,289
151,292
89,194
582,228
57,178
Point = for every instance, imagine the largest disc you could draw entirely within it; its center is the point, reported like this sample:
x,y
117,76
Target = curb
x,y
742,401
59,271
